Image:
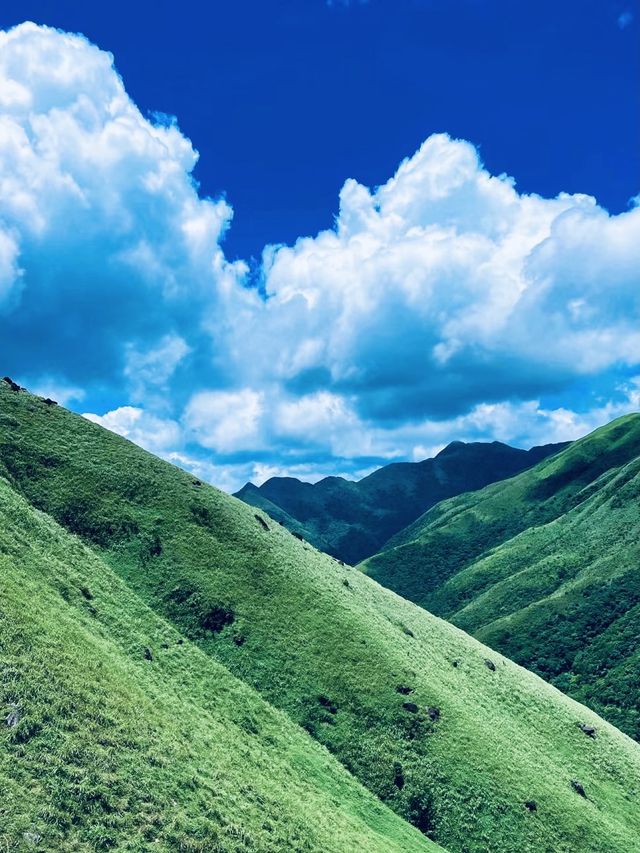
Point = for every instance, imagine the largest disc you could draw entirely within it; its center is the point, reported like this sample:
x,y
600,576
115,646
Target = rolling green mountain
x,y
474,751
543,567
353,520
117,733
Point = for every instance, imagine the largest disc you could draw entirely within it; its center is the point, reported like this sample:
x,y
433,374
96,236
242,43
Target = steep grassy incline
x,y
472,749
351,520
116,733
543,567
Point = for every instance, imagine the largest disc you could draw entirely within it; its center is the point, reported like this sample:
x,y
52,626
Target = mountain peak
x,y
452,447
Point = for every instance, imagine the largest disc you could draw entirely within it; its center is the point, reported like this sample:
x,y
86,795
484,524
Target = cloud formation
x,y
441,305
105,245
445,287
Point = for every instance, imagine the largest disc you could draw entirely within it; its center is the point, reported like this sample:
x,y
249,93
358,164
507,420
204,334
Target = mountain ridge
x,y
352,520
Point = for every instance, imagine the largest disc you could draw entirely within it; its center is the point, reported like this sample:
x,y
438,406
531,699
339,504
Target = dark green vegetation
x,y
351,520
544,567
476,752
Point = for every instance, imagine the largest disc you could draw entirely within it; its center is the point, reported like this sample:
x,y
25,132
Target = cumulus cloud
x,y
444,287
150,370
226,421
105,245
155,434
442,304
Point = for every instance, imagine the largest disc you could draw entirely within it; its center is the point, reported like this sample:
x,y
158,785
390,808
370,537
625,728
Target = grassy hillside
x,y
252,495
351,520
453,737
117,733
543,567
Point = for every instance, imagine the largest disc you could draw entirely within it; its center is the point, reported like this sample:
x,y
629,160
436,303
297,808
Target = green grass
x,y
352,520
543,567
113,750
458,755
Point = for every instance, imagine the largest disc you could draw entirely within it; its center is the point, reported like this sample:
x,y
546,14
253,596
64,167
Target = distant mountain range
x,y
179,672
544,567
353,520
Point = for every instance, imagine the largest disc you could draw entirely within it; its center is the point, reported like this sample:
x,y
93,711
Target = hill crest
x,y
352,520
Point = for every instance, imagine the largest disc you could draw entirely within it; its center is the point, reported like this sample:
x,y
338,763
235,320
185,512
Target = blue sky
x,y
452,302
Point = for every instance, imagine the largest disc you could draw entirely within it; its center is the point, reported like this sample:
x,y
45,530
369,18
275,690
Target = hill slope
x,y
455,738
352,520
543,567
117,733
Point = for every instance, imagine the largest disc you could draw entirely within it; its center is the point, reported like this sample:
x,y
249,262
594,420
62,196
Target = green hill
x,y
352,520
117,733
473,750
543,567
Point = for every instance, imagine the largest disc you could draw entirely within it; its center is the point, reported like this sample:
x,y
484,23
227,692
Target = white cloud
x,y
324,420
149,371
446,272
98,207
226,421
157,435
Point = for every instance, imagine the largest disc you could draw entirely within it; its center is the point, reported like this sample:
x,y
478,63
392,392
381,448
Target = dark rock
x,y
298,535
413,726
421,813
590,731
155,548
531,805
398,775
239,639
411,707
217,619
148,654
578,787
13,385
404,689
331,707
14,716
455,663
86,592
262,522
181,594
407,631
490,664
202,516
197,483
49,402
434,714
